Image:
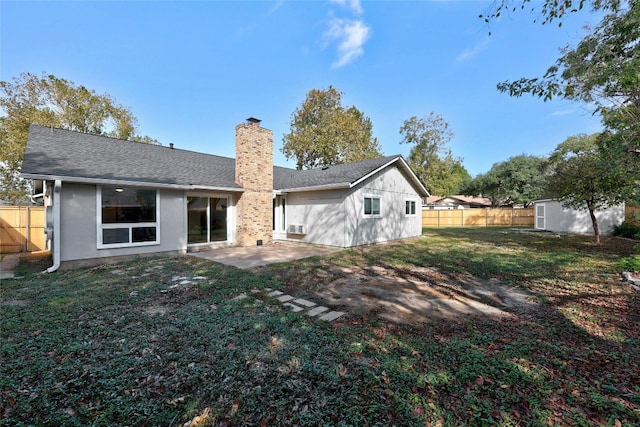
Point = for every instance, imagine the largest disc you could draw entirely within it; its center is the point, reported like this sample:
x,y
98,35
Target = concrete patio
x,y
255,256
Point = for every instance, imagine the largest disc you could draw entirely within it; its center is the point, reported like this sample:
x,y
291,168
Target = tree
x,y
603,70
518,180
580,177
550,10
323,132
430,158
51,101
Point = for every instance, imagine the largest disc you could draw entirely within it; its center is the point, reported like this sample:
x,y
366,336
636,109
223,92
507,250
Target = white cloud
x,y
472,52
560,113
354,5
351,37
277,5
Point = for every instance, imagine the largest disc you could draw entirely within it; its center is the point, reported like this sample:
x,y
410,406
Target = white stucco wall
x,y
78,230
567,220
336,217
322,213
392,224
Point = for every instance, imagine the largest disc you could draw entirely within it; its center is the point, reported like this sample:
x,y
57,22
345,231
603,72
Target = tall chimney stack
x,y
254,173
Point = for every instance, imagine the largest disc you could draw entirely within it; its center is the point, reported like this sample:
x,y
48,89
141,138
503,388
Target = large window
x,y
127,217
371,206
207,219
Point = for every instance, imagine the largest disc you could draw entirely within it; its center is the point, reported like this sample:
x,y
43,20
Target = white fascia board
x,y
403,165
358,181
414,178
102,181
338,186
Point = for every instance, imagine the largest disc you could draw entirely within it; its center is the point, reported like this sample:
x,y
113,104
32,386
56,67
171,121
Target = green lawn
x,y
135,344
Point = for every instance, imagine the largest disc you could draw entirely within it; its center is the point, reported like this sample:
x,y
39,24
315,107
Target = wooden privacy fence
x,y
632,214
482,217
22,229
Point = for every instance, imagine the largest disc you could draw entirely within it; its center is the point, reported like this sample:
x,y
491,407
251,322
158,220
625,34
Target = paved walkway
x,y
254,256
8,265
299,305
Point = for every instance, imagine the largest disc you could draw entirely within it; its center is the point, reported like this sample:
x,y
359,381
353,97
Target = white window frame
x,y
128,225
412,207
372,214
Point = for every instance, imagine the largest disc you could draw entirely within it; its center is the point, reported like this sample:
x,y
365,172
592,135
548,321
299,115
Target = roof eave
x,y
339,186
403,164
103,181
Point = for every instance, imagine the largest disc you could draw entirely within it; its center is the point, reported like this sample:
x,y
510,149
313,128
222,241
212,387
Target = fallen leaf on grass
x,y
234,409
274,343
199,420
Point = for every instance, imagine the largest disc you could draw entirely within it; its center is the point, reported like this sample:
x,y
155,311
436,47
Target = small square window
x,y
371,206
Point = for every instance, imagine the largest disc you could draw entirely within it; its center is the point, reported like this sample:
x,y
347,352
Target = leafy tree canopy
x,y
580,176
549,10
51,101
603,70
518,180
323,132
430,157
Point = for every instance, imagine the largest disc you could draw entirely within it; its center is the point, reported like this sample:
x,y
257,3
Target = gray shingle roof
x,y
62,153
57,153
344,174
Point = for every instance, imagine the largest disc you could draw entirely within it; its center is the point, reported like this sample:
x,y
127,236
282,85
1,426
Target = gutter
x,y
338,186
130,183
55,251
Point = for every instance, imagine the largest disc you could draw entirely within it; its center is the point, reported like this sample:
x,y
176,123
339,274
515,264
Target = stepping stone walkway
x,y
298,305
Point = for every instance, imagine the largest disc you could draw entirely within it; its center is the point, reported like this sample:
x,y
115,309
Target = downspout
x,y
55,250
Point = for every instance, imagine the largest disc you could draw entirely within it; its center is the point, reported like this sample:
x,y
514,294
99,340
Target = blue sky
x,y
191,71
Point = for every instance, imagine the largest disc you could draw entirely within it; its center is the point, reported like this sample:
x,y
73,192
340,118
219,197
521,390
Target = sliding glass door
x,y
207,219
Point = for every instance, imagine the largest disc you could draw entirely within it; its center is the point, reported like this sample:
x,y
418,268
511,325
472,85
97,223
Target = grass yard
x,y
165,341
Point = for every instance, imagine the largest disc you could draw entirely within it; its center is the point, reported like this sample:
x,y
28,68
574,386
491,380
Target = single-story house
x,y
550,215
107,197
456,202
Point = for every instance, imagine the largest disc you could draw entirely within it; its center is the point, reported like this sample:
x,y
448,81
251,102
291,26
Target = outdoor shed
x,y
550,215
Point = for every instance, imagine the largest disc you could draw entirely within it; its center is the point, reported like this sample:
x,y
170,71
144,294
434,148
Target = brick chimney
x,y
254,173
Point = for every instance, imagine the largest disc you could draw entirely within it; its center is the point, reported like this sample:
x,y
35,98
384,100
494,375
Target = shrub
x,y
627,229
630,263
